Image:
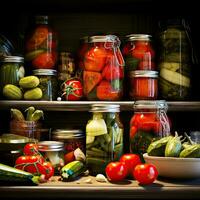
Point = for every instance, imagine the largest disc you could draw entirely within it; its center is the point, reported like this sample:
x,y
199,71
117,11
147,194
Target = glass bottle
x,y
103,69
149,122
175,60
41,45
104,137
139,53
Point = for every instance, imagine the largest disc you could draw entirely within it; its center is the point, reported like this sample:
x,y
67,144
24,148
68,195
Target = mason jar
x,y
143,85
41,44
103,72
150,121
6,47
139,53
175,60
53,152
48,83
11,70
104,137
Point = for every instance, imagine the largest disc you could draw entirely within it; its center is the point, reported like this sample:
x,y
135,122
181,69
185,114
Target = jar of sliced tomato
x,y
103,69
143,85
41,45
150,121
139,53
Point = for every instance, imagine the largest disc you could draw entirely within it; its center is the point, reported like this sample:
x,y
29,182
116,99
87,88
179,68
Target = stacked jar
x,y
103,69
139,56
41,54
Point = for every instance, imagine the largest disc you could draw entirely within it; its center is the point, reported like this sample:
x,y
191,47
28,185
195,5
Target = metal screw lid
x,y
143,37
143,104
144,73
50,146
67,133
104,108
12,138
13,59
50,72
103,38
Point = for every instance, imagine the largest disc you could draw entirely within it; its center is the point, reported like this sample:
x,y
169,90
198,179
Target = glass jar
x,y
11,70
143,85
53,152
139,53
48,83
41,45
6,47
72,138
30,129
175,60
104,137
103,69
149,122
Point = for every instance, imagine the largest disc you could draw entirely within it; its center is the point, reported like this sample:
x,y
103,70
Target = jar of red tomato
x,y
103,69
139,53
149,122
143,85
41,45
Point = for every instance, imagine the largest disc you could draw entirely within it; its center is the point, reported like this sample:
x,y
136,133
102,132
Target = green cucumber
x,y
13,175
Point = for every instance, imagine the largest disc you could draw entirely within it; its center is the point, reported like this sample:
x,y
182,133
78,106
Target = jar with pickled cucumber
x,y
175,60
104,137
41,44
149,122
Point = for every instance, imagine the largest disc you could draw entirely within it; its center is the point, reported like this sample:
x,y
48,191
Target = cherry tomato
x,y
30,149
116,171
145,173
72,89
130,160
95,59
47,169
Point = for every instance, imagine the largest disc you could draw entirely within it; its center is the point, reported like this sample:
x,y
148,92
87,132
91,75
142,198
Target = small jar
x,y
72,138
11,70
139,53
103,72
149,122
53,151
143,85
30,129
104,137
48,83
41,44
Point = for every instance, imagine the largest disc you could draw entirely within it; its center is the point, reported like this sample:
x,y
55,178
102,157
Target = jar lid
x,y
133,37
105,108
12,138
49,72
15,59
144,73
67,133
143,104
50,146
103,38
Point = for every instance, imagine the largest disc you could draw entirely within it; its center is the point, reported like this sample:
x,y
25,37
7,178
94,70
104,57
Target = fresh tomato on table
x,y
72,89
145,173
31,149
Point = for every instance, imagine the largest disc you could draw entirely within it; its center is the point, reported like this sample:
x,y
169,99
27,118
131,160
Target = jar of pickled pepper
x,y
149,121
104,137
41,45
103,69
139,53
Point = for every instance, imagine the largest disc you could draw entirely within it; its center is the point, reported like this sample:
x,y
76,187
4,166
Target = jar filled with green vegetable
x,y
104,137
48,83
11,70
175,60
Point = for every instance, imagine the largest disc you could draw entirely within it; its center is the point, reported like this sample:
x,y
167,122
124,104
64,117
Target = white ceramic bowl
x,y
175,167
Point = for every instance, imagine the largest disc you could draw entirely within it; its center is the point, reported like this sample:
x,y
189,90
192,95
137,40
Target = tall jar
x,y
139,53
11,70
41,45
104,137
149,122
48,83
103,69
175,61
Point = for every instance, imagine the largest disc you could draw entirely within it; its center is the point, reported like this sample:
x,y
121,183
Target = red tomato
x,y
47,169
133,131
126,49
72,89
146,65
30,149
145,173
130,160
95,59
113,72
116,171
